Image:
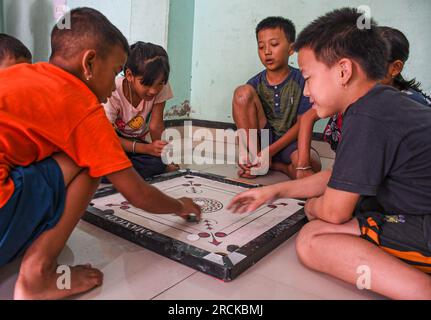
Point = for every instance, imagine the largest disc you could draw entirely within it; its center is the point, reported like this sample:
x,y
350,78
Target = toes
x,y
248,176
97,279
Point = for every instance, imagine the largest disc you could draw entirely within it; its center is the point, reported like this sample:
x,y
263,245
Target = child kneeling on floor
x,y
55,144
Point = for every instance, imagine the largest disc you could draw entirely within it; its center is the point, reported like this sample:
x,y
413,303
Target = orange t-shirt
x,y
45,110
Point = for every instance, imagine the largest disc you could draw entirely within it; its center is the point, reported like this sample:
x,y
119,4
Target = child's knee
x,y
306,241
243,96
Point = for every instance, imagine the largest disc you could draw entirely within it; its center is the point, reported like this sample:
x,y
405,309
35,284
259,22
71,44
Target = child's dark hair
x,y
336,35
399,49
149,61
278,23
89,29
12,47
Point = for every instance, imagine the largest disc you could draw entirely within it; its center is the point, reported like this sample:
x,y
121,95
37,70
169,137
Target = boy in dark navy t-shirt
x,y
371,216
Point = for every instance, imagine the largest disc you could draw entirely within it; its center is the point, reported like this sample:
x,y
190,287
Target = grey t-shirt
x,y
385,151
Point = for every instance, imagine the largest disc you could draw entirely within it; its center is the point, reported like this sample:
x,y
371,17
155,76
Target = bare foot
x,y
246,175
43,286
281,167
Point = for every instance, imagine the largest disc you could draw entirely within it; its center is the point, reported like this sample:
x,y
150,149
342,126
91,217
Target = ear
x,y
396,68
129,75
291,49
88,60
345,67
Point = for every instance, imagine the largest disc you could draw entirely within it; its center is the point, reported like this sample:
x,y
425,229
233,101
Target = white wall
x,y
31,21
117,11
225,52
139,20
149,21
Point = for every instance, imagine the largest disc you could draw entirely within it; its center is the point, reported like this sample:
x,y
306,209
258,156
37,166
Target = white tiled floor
x,y
132,272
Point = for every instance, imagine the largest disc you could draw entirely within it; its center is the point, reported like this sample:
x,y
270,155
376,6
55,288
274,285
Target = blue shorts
x,y
146,165
284,155
36,206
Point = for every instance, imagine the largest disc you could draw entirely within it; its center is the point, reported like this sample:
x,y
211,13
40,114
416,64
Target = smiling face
x,y
145,92
274,49
323,85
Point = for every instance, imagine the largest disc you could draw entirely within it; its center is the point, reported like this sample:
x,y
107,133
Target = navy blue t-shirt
x,y
385,152
282,103
417,96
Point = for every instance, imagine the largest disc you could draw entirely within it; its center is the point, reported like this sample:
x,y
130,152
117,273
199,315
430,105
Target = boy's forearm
x,y
304,139
304,147
143,195
334,206
155,201
310,187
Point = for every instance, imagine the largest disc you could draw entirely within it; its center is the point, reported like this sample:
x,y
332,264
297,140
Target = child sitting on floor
x,y
373,211
136,108
12,52
273,99
55,144
399,50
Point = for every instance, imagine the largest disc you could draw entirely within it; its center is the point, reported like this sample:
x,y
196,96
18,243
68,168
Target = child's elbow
x,y
337,217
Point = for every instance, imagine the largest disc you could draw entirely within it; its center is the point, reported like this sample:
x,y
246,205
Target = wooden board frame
x,y
227,267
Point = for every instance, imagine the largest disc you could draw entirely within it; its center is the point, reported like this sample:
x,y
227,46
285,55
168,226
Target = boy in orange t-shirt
x,y
55,144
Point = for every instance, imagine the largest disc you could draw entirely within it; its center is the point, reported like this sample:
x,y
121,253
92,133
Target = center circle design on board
x,y
208,205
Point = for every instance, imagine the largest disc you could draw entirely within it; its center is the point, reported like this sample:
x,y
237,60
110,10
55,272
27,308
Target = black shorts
x,y
407,237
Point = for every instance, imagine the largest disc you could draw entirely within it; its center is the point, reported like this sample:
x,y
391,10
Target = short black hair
x,y
336,35
150,61
12,47
89,29
278,23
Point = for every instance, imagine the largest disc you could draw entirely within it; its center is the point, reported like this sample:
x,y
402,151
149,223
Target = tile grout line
x,y
174,285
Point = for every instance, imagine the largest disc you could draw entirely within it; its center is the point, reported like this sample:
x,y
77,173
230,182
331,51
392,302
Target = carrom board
x,y
222,244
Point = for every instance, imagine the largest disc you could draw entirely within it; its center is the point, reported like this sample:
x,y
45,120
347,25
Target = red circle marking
x,y
204,235
221,235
